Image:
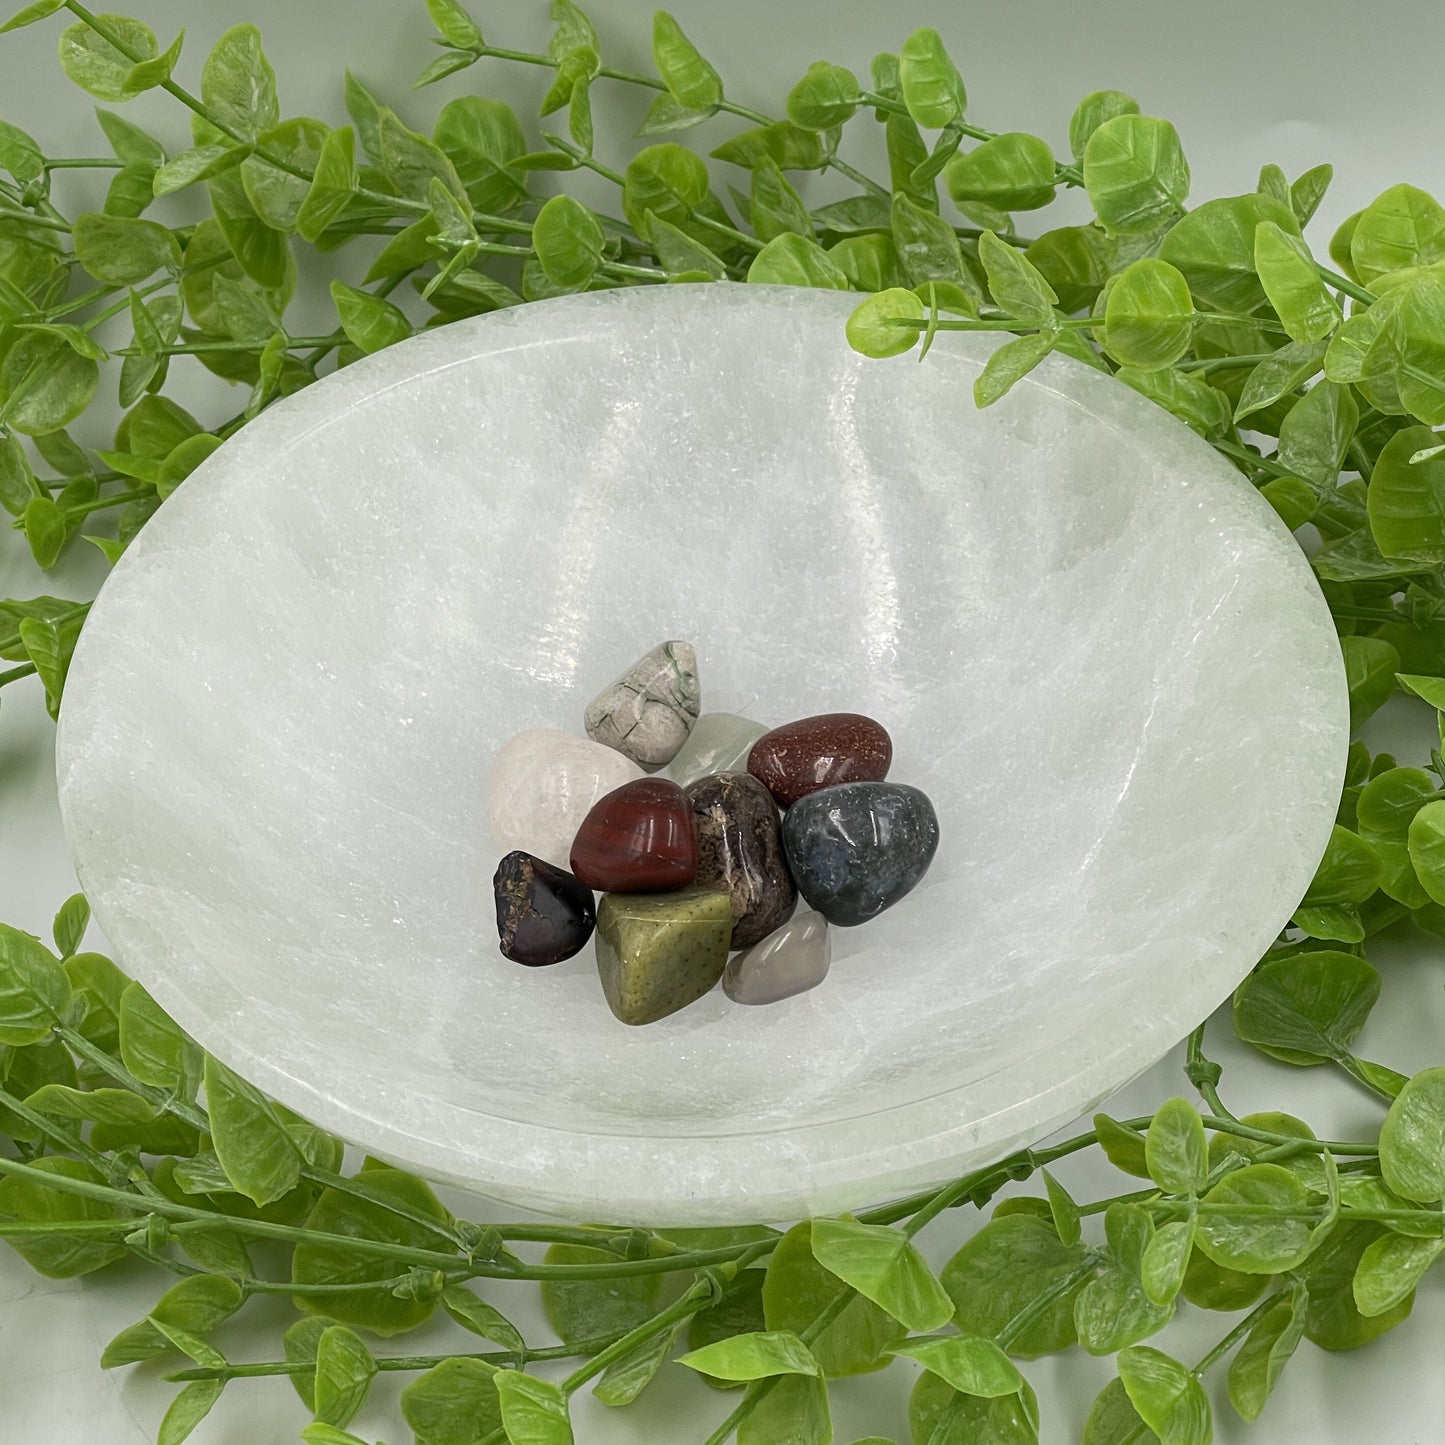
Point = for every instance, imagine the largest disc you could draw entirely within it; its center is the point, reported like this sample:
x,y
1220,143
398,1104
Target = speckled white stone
x,y
649,710
719,743
789,961
1098,651
543,784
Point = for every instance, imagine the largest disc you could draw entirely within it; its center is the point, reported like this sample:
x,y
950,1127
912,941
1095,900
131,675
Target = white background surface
x,y
1245,83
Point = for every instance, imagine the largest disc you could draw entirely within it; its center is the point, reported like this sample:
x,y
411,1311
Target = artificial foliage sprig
x,y
1322,383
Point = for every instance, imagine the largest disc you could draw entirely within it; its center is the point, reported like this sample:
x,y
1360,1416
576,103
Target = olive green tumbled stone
x,y
659,952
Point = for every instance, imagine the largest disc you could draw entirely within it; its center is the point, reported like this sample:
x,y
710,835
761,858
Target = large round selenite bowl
x,y
1094,645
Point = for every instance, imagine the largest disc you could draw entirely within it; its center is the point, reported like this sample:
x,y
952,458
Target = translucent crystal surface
x,y
1094,646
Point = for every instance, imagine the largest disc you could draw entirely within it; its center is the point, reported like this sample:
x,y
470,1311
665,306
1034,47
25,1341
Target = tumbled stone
x,y
820,752
544,914
543,784
640,838
659,952
647,713
740,851
790,960
719,743
857,848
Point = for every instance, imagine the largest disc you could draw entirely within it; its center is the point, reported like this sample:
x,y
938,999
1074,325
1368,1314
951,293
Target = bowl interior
x,y
1094,646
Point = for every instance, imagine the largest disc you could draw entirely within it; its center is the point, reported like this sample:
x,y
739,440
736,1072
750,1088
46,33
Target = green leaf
x,y
370,322
1123,1146
1093,111
1010,363
1169,1399
665,115
20,155
238,85
45,384
973,1366
1017,287
626,1378
582,1309
665,179
1349,872
1407,500
366,1307
344,1372
885,1267
1113,1420
454,1403
103,1106
1306,1009
50,645
1316,435
738,1312
932,88
187,1410
1333,1320
1267,1349
97,985
1403,226
122,251
776,208
1432,689
31,13
797,1288
753,1357
131,191
34,989
1412,1139
534,1411
927,245
1013,171
187,456
1008,1265
827,96
411,161
690,80
153,1047
333,184
198,164
319,1433
939,1415
17,481
678,253
1166,1260
1370,667
82,344
1135,173
1384,810
148,74
871,263
196,1305
275,194
1148,316
1075,261
1309,190
1286,370
1253,1243
1293,284
255,1151
129,142
1175,1148
568,241
793,260
1340,923
454,25
60,1255
794,1412
1389,1270
96,66
1063,1210
792,147
1113,1311
1214,247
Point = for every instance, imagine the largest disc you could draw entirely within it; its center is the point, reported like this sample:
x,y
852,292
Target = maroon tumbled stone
x,y
820,752
544,914
640,838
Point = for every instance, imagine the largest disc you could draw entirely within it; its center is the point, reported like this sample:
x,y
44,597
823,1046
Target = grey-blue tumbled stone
x,y
857,848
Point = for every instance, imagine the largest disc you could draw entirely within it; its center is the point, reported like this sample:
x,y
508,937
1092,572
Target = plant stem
x,y
1235,1335
398,1362
26,669
43,223
116,499
91,163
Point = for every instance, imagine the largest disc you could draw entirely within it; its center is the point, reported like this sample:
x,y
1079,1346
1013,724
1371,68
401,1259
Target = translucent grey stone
x,y
790,960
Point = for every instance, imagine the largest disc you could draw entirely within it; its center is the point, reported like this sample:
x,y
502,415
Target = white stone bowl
x,y
1093,643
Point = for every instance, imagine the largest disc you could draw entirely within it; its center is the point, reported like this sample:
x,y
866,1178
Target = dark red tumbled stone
x,y
544,914
820,752
640,838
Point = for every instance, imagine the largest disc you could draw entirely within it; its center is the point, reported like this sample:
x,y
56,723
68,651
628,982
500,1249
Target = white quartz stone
x,y
789,961
543,784
1095,647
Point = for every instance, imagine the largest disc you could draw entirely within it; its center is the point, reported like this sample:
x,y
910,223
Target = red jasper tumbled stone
x,y
640,838
820,752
